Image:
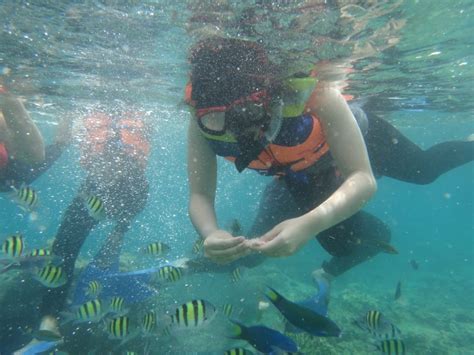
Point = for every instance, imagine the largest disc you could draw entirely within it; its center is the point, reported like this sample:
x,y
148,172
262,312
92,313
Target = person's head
x,y
235,79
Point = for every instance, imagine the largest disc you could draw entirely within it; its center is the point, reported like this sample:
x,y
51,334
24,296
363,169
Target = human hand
x,y
284,239
222,248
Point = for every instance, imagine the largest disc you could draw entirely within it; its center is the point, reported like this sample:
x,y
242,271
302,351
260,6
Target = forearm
x,y
349,198
24,139
202,213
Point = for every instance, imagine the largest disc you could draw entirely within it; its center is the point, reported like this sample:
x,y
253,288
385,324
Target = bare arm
x,y
350,153
348,149
219,245
202,175
24,140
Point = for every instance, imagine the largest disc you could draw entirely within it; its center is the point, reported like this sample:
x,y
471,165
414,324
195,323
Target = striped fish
x,y
391,346
116,304
27,197
170,273
13,246
377,325
149,322
51,276
198,245
238,351
95,207
91,311
94,288
40,252
236,275
193,314
119,328
156,248
167,331
227,309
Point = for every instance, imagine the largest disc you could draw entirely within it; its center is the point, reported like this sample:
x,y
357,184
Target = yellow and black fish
x,y
119,328
149,322
13,246
156,248
51,276
377,325
91,311
95,207
236,275
227,309
170,273
391,346
94,288
116,304
238,351
193,314
27,197
198,245
40,252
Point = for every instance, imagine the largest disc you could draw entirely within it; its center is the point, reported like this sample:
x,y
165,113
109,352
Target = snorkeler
x,y
324,155
23,157
21,143
115,150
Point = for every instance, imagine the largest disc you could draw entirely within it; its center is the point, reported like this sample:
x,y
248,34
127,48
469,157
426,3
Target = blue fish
x,y
264,339
302,317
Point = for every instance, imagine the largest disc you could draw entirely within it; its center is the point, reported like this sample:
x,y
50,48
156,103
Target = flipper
x,y
133,286
37,348
317,303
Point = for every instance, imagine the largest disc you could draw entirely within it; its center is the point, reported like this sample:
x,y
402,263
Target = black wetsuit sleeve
x,y
18,173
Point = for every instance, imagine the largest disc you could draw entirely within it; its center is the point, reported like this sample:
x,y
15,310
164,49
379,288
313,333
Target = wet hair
x,y
225,69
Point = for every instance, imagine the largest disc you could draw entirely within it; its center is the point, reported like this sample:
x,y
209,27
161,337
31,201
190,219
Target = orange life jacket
x,y
128,132
299,145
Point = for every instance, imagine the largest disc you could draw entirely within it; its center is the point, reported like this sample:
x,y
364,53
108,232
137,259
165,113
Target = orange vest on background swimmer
x,y
129,133
299,144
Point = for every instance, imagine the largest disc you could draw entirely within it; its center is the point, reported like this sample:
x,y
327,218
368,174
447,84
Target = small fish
x,y
238,351
391,346
51,276
236,275
27,197
94,288
398,291
13,246
377,325
149,322
303,318
193,314
40,252
47,335
170,273
227,309
198,246
131,353
95,207
91,311
264,339
156,248
167,331
414,264
116,305
119,328
235,228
